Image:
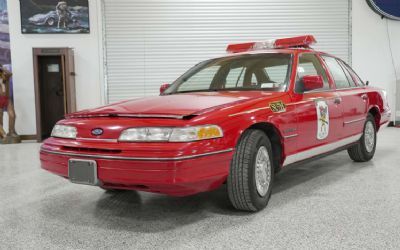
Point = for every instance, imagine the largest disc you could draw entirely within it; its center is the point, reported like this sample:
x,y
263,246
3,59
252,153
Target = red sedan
x,y
237,119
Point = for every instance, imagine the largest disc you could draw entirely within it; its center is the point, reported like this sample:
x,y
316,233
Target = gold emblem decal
x,y
277,107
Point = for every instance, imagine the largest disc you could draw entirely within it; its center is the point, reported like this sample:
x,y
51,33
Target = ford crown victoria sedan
x,y
234,120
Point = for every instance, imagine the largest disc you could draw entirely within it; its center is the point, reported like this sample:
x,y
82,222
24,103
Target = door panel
x,y
320,119
319,113
354,99
355,103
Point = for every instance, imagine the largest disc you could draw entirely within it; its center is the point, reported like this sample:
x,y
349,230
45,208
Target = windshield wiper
x,y
197,90
213,90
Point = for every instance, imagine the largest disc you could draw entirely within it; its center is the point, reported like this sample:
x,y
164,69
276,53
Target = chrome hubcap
x,y
262,171
369,137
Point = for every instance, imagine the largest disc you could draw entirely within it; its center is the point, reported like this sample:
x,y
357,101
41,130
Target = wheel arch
x,y
374,111
276,140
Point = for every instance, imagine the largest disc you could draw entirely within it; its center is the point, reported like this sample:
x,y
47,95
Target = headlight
x,y
63,131
185,134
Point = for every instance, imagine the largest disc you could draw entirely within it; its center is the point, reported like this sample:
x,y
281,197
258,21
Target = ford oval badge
x,y
97,131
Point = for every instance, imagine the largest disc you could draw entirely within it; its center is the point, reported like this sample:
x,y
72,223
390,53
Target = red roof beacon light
x,y
291,42
298,41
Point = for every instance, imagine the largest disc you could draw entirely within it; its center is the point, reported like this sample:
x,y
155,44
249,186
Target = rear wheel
x,y
364,150
252,172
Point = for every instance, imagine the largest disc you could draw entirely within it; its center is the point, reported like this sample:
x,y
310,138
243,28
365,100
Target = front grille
x,y
91,150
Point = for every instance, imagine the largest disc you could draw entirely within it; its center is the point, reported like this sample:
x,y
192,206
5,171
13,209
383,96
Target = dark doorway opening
x,y
54,87
51,85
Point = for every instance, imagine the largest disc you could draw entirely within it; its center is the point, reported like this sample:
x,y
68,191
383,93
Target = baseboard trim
x,y
394,124
28,137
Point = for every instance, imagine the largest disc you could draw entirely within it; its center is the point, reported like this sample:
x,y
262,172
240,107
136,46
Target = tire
x,y
364,150
246,191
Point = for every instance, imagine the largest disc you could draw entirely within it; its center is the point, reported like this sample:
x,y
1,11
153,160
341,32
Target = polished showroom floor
x,y
331,203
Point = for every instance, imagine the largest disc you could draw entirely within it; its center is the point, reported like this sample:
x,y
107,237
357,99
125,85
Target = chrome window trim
x,y
125,158
332,90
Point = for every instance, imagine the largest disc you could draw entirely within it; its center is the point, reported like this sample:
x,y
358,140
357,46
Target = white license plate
x,y
82,172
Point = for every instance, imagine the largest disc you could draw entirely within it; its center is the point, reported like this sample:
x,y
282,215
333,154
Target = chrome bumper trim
x,y
112,157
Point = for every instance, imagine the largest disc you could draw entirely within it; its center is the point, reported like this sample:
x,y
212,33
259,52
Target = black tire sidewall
x,y
368,155
259,201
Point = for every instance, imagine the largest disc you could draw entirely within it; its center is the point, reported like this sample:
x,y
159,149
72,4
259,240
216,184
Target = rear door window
x,y
353,74
348,75
337,72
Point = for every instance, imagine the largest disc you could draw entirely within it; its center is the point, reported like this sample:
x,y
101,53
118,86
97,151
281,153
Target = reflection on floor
x,y
330,203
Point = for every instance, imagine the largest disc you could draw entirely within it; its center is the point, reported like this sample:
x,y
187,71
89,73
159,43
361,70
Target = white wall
x,y
371,52
88,64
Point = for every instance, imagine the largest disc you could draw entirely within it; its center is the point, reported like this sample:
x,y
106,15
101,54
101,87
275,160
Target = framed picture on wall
x,y
55,16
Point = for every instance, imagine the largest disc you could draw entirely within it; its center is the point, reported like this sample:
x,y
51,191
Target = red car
x,y
238,120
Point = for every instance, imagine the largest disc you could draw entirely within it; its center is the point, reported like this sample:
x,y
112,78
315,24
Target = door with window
x,y
319,114
353,97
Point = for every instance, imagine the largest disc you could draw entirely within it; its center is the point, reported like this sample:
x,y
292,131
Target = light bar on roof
x,y
291,42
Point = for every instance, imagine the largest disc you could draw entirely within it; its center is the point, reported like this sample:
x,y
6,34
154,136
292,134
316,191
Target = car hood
x,y
175,106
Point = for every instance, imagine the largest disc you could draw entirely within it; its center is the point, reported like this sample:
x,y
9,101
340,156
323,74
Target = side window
x,y
201,80
235,77
348,75
354,75
337,72
309,64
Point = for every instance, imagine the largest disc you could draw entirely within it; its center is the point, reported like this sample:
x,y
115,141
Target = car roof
x,y
297,50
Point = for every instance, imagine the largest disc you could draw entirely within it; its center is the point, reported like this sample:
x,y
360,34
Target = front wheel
x,y
364,150
252,172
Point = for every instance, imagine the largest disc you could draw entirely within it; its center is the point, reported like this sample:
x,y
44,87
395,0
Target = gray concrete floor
x,y
331,203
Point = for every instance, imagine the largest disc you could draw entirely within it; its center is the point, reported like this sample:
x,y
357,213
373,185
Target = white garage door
x,y
150,42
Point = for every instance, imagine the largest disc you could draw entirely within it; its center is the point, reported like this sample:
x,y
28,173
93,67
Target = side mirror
x,y
164,87
312,82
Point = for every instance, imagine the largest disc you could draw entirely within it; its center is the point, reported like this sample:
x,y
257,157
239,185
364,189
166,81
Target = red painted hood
x,y
175,106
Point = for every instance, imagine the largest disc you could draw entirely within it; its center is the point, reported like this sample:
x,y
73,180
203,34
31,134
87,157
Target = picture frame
x,y
55,16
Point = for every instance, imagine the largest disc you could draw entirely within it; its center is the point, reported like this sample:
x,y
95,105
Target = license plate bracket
x,y
83,172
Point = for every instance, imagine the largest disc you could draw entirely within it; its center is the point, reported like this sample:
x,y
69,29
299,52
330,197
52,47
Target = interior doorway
x,y
54,87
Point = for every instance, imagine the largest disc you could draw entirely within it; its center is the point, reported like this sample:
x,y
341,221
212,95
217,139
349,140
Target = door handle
x,y
338,100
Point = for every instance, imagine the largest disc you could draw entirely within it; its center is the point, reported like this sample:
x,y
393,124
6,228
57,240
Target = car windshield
x,y
269,72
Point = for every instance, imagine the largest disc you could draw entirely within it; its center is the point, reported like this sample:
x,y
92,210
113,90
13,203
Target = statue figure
x,y
6,104
63,14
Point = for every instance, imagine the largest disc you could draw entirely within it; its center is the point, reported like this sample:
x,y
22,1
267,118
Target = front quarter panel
x,y
235,120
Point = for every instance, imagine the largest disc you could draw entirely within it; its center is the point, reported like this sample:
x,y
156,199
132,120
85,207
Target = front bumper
x,y
178,176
